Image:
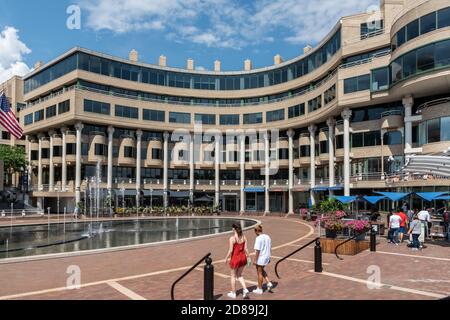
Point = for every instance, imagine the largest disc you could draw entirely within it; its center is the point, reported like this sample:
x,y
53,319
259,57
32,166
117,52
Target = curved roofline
x,y
180,70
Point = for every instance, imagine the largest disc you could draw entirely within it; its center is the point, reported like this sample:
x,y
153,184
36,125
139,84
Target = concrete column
x,y
191,169
242,162
267,171
110,159
312,174
138,166
40,137
63,156
331,127
51,182
290,134
408,103
166,169
217,171
79,127
346,115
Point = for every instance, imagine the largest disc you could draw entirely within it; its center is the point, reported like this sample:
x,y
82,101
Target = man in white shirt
x,y
425,218
394,225
263,247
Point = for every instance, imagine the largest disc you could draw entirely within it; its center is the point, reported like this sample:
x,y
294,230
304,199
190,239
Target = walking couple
x,y
238,258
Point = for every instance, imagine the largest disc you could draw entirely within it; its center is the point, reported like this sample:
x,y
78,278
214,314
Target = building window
x,y
85,149
127,112
370,28
179,117
64,107
45,153
428,23
355,84
315,104
39,116
253,118
229,119
208,119
28,119
6,135
392,138
330,94
283,154
380,79
97,107
154,115
296,111
57,151
157,154
50,112
444,18
101,149
71,148
434,130
340,142
412,30
277,115
34,155
323,145
305,151
129,152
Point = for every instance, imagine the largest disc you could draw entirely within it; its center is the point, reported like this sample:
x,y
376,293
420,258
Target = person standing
x,y
389,236
425,218
394,226
415,229
403,224
238,252
445,217
263,247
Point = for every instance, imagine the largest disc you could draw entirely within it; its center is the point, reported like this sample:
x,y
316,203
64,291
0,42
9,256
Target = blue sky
x,y
205,30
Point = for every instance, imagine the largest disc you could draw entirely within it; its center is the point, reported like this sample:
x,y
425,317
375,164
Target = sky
x,y
204,30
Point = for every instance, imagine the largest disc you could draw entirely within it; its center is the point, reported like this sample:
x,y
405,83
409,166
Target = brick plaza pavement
x,y
147,273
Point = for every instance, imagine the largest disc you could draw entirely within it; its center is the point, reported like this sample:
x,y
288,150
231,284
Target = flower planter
x,y
350,248
331,234
361,237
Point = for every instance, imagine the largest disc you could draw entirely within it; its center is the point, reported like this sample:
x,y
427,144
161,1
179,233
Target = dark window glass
x,y
71,148
28,119
154,115
252,118
315,104
179,117
340,142
380,79
64,107
39,116
425,58
296,111
126,112
305,151
444,18
283,154
100,149
45,153
57,151
276,115
409,64
372,138
129,152
445,131
401,37
412,30
34,155
355,84
357,140
392,138
396,69
434,130
323,147
428,23
229,119
330,94
157,154
50,112
97,107
442,53
208,119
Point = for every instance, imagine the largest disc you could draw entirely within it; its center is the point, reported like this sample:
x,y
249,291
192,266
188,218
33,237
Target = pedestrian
x,y
445,217
238,253
389,236
403,224
394,226
263,247
415,230
405,207
425,218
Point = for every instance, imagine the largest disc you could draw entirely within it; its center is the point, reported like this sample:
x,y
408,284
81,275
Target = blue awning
x,y
256,189
318,189
345,200
430,196
443,198
394,196
337,188
373,199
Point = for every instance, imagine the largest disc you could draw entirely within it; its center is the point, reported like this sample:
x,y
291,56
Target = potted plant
x,y
332,226
359,227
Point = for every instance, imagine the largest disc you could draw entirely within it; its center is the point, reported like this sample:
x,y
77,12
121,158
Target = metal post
x,y
373,240
209,280
318,257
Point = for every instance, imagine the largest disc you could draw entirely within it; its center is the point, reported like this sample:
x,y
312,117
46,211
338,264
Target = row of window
x,y
431,131
355,84
131,72
47,113
430,22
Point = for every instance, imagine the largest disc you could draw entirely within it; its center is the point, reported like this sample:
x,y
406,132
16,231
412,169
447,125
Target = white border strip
x,y
125,291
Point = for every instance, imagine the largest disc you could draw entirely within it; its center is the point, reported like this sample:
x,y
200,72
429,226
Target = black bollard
x,y
209,280
318,257
373,240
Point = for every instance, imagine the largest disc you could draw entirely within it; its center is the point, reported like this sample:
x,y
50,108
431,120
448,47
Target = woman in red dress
x,y
238,253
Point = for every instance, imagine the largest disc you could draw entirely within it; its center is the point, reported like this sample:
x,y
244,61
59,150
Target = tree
x,y
14,158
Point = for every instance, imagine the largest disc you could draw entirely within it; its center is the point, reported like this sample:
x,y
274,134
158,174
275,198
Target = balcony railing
x,y
365,61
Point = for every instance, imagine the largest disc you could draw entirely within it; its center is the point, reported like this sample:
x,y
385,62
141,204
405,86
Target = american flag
x,y
8,119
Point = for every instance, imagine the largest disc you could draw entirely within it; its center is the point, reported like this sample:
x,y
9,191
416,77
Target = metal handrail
x,y
348,240
391,113
172,291
291,254
432,103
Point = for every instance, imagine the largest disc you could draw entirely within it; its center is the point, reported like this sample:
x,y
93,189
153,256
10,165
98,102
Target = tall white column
x,y
110,159
346,115
40,137
63,157
267,171
166,169
290,134
408,103
242,162
79,127
191,169
138,165
312,174
217,154
331,127
51,181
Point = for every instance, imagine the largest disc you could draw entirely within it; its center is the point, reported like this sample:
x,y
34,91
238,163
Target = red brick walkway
x,y
148,273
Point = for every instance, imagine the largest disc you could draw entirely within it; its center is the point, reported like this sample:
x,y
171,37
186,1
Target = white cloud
x,y
224,23
11,54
